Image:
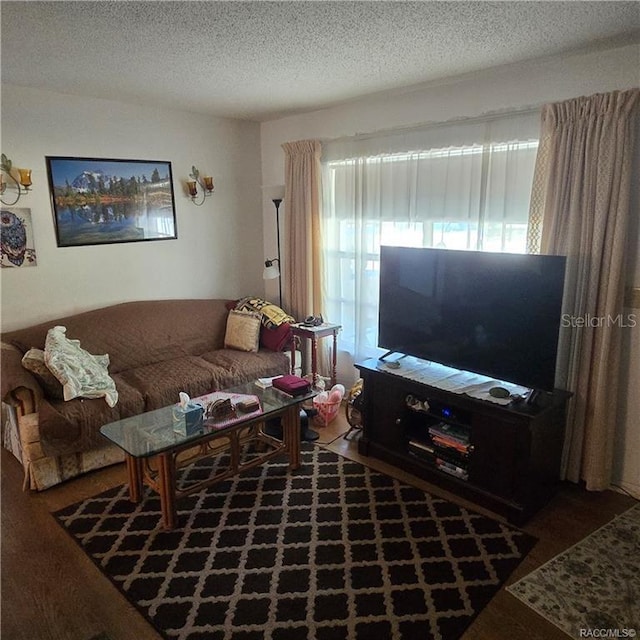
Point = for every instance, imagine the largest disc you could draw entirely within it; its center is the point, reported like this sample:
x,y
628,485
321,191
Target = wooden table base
x,y
159,471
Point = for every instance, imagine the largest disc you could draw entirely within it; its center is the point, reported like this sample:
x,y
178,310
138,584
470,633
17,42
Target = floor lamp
x,y
272,270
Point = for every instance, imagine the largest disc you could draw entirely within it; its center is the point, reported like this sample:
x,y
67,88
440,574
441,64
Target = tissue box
x,y
188,421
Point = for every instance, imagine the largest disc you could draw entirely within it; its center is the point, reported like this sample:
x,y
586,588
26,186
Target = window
x,y
471,195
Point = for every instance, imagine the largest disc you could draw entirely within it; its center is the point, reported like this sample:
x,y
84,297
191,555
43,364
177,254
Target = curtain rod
x,y
488,117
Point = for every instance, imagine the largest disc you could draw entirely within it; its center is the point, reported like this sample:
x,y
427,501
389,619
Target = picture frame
x,y
107,201
17,248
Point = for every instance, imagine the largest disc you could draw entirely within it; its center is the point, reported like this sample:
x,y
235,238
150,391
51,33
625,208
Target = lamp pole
x,y
276,203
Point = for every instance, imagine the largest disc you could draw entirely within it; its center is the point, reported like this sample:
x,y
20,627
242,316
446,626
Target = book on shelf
x,y
422,449
431,453
447,443
422,455
452,432
422,446
452,469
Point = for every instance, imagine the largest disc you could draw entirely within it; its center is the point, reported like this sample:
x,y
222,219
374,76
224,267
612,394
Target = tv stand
x,y
532,397
503,457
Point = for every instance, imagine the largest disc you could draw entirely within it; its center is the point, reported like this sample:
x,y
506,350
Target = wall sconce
x,y
22,184
206,184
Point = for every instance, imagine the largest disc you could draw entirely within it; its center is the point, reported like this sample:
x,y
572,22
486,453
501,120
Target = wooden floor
x,y
52,591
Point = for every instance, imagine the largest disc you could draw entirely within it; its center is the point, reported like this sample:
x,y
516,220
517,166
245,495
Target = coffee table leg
x,y
166,480
234,453
292,435
134,471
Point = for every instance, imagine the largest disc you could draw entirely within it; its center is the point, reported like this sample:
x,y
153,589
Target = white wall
x,y
218,252
506,88
503,88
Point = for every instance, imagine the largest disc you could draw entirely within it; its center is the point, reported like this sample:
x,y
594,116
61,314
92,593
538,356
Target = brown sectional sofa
x,y
156,349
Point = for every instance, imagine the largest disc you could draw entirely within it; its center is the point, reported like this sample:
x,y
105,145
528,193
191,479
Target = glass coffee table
x,y
154,451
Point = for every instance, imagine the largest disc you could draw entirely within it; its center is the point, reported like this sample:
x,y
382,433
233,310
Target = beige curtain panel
x,y
581,190
302,227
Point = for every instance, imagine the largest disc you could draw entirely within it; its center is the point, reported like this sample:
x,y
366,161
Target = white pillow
x,y
243,331
80,373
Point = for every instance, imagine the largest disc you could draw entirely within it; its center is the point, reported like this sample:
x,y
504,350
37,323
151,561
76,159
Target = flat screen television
x,y
497,314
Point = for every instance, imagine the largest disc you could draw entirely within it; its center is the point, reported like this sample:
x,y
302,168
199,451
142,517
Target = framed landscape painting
x,y
102,201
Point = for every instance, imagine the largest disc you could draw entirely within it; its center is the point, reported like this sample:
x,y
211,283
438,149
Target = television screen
x,y
497,314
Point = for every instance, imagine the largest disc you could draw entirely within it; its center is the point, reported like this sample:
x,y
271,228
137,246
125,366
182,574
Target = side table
x,y
314,334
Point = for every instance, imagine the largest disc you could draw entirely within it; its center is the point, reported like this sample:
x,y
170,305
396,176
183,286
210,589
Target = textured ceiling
x,y
261,60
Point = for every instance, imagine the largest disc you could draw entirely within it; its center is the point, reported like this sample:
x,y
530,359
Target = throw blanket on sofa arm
x,y
21,389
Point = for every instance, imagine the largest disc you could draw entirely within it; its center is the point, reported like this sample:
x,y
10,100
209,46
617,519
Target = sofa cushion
x,y
243,366
243,331
161,382
74,425
81,374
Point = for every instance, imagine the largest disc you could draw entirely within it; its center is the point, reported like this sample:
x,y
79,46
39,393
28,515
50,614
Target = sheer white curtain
x,y
462,186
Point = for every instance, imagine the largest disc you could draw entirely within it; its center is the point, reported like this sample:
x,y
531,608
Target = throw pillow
x,y
81,374
33,361
243,331
277,339
272,315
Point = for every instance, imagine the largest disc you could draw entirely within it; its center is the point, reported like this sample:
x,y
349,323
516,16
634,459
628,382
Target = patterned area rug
x,y
593,587
331,551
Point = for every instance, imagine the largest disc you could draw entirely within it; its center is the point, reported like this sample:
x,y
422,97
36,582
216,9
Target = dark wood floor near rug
x,y
52,591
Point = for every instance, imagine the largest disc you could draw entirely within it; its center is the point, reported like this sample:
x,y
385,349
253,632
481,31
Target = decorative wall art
x,y
16,240
102,201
